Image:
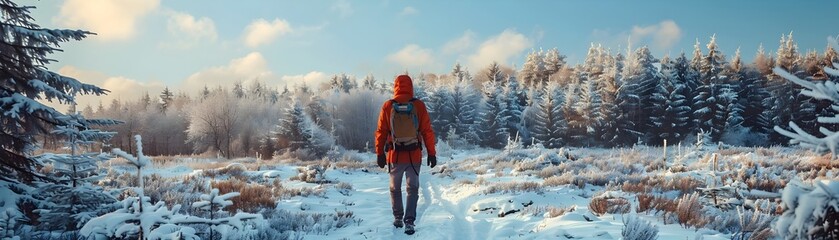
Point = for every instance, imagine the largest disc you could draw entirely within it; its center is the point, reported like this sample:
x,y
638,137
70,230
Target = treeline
x,y
608,100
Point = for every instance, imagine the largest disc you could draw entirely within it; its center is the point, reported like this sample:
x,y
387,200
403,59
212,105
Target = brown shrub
x,y
252,197
602,205
513,187
556,211
555,181
634,187
644,202
689,211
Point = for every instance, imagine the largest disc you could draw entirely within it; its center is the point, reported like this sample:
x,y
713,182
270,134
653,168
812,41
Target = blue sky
x,y
144,45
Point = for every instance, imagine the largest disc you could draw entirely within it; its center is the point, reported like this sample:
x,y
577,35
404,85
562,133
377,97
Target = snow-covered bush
x,y
252,197
514,187
220,221
284,221
8,224
810,211
344,188
635,228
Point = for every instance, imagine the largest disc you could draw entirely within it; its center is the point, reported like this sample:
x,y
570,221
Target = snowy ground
x,y
463,197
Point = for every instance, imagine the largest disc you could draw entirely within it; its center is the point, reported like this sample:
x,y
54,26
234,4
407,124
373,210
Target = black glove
x,y
381,160
432,161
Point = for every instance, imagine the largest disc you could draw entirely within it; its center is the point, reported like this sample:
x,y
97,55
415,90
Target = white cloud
x,y
663,34
190,29
411,56
343,8
312,79
659,37
500,48
246,69
408,11
261,32
109,19
460,44
120,87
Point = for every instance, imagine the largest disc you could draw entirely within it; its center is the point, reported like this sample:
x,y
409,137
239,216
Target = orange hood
x,y
403,88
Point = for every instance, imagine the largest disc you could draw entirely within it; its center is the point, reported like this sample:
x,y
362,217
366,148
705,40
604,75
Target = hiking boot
x,y
409,228
397,223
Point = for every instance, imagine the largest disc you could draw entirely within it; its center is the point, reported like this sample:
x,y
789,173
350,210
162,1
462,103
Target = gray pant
x,y
396,173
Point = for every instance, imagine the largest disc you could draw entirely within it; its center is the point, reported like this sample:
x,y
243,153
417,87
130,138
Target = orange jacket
x,y
403,91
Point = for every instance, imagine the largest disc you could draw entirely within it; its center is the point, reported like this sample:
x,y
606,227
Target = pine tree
x,y
492,119
515,100
439,106
71,199
26,83
238,89
165,100
550,124
607,86
291,131
588,110
533,71
464,103
709,109
369,82
494,73
785,103
639,79
669,117
553,62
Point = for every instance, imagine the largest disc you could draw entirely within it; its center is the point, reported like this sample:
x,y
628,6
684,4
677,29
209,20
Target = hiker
x,y
403,126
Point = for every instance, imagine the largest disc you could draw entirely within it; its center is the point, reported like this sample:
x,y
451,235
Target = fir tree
x,y
515,100
492,119
165,100
607,87
550,124
26,83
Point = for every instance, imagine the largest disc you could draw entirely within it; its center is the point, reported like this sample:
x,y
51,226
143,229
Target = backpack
x,y
404,126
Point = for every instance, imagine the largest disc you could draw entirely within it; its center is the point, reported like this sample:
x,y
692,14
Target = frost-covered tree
x,y
533,71
297,131
219,220
71,200
608,86
554,62
492,119
709,110
810,211
214,123
588,109
25,83
669,117
550,126
165,99
439,106
464,104
827,90
752,94
515,99
785,104
238,89
369,82
639,79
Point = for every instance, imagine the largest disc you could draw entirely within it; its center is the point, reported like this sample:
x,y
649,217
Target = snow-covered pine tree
x,y
439,106
533,71
588,110
26,83
369,82
752,95
420,87
291,130
553,62
827,90
464,104
492,119
709,112
550,123
639,79
607,87
574,123
515,99
669,118
784,102
220,221
71,200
